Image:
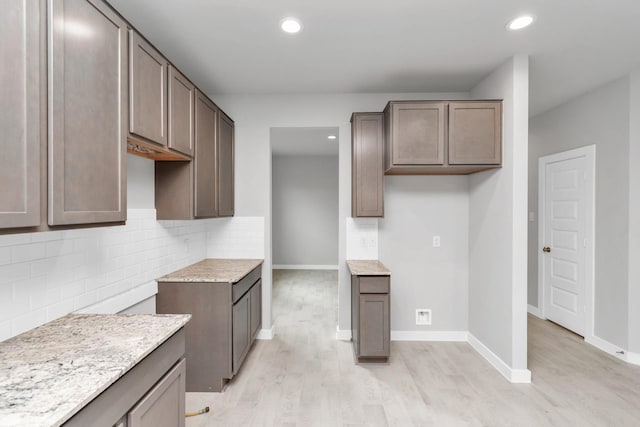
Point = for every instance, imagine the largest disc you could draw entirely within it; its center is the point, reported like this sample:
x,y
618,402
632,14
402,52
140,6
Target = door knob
x,y
546,249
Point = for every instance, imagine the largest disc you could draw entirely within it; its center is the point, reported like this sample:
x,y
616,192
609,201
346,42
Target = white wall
x,y
634,214
498,229
599,117
305,210
416,209
254,116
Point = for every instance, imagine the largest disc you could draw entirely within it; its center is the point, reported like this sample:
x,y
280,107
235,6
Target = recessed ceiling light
x,y
290,25
331,137
520,22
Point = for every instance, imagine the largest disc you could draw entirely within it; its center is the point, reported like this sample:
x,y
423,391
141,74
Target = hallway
x,y
305,377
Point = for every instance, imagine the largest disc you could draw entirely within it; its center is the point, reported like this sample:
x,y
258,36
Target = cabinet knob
x,y
546,249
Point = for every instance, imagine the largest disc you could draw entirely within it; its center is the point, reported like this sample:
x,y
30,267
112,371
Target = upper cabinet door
x,y
87,113
181,115
475,133
206,205
148,91
22,24
367,157
417,133
225,165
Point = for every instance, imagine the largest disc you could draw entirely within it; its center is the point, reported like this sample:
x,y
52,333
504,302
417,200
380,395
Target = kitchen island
x,y
224,296
90,369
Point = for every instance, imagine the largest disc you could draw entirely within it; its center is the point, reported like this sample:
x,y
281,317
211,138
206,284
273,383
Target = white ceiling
x,y
374,46
304,141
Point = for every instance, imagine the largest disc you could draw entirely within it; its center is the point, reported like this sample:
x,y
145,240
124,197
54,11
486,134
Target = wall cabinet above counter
x,y
76,99
421,138
442,137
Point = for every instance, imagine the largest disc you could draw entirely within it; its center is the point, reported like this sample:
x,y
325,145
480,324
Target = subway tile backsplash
x,y
49,274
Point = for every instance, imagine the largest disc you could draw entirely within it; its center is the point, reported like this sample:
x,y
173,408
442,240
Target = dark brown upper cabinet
x,y
367,167
442,137
204,187
206,204
475,133
88,112
182,94
147,91
225,165
417,132
22,121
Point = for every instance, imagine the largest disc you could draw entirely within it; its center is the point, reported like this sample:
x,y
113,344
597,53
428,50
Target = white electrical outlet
x,y
423,316
436,241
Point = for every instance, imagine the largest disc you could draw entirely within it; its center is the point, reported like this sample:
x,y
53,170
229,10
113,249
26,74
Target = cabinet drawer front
x,y
374,284
246,283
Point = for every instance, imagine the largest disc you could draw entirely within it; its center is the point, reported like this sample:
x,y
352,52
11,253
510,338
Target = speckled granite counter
x,y
49,373
367,268
213,270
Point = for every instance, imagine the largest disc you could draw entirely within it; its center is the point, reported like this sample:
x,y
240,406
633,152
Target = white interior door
x,y
564,241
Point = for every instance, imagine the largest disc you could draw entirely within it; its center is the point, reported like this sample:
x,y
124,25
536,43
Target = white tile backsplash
x,y
48,274
362,238
237,237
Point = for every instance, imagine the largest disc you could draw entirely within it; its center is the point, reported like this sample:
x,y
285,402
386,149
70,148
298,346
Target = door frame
x,y
589,153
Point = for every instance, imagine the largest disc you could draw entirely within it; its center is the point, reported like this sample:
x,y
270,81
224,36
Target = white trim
x,y
266,334
614,350
513,375
343,334
303,267
589,153
535,311
633,358
451,336
123,301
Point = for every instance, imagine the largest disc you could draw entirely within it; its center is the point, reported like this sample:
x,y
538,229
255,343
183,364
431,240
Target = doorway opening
x,y
304,209
566,246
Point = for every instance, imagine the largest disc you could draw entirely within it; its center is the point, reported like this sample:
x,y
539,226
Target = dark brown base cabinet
x,y
151,394
370,318
226,320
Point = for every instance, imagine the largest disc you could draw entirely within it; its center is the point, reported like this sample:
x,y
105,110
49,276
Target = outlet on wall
x,y
436,241
423,316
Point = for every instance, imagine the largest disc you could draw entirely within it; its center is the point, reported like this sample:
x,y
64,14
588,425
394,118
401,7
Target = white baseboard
x,y
343,334
122,301
535,311
457,336
512,375
614,350
266,334
303,267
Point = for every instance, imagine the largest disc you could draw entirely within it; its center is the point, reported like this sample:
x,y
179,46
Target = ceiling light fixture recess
x,y
331,137
290,25
520,22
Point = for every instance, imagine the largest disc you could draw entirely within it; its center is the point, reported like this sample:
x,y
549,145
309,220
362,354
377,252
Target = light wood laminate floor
x,y
304,377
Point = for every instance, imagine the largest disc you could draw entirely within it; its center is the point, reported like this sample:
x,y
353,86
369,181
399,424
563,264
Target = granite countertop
x,y
367,268
49,373
213,270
